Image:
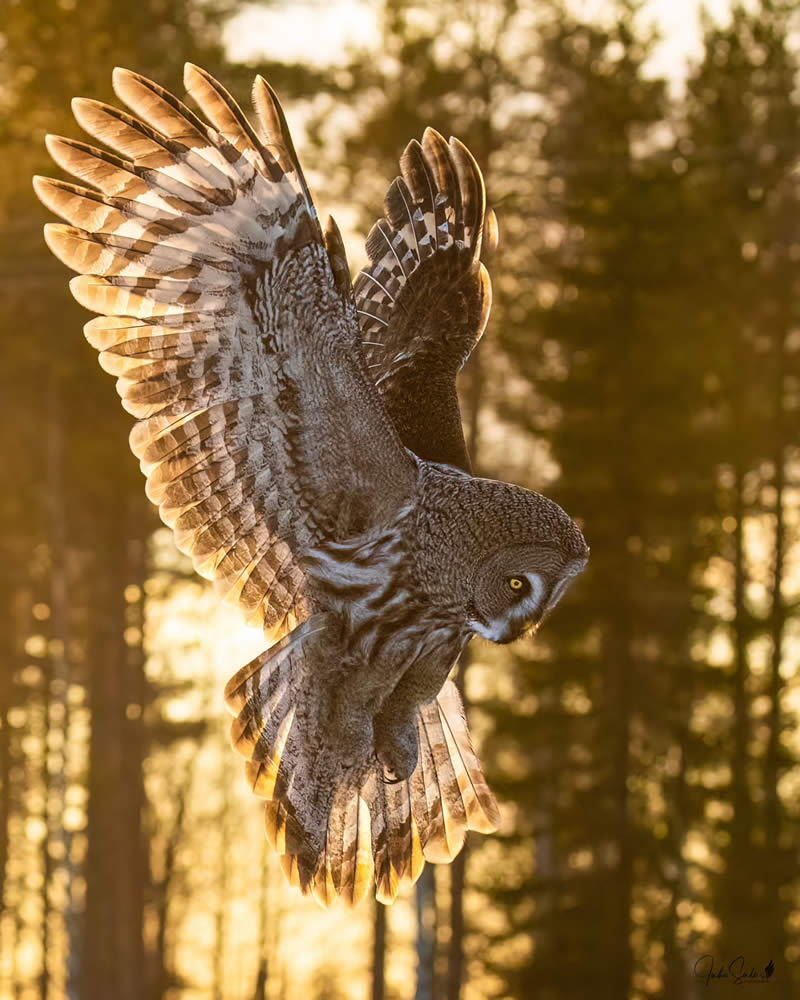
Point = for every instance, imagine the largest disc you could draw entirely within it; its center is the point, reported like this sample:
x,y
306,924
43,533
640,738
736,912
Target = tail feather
x,y
338,829
346,868
287,837
446,828
387,838
404,853
480,804
290,761
450,794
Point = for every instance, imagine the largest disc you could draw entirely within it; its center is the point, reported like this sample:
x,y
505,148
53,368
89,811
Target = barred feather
x,y
196,241
338,829
480,805
423,300
230,324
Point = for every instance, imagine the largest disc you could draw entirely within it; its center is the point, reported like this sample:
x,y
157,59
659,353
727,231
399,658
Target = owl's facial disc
x,y
510,603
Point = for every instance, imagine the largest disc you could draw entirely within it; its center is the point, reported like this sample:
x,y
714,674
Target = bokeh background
x,y
642,365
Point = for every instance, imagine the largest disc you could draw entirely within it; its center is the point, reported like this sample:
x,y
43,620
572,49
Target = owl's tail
x,y
426,818
338,830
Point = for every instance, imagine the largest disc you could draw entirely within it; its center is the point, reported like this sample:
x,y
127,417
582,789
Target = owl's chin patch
x,y
505,632
495,631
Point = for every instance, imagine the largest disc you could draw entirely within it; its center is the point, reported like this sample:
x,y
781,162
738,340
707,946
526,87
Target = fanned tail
x,y
386,831
427,817
289,762
339,828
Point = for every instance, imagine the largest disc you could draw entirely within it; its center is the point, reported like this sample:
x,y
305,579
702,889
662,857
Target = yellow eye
x,y
515,583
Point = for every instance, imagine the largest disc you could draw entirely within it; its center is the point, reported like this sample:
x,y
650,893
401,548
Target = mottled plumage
x,y
301,435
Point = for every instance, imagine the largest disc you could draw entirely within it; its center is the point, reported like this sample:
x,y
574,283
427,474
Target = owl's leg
x,y
396,746
352,727
395,725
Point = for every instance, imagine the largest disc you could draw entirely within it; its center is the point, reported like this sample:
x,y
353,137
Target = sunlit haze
x,y
321,33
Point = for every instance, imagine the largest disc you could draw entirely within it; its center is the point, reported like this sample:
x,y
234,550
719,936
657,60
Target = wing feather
x,y
449,792
232,341
424,298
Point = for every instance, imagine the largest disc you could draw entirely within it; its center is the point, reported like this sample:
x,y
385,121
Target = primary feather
x,y
204,253
424,298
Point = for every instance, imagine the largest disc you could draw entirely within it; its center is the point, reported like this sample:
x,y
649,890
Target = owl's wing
x,y
234,344
424,298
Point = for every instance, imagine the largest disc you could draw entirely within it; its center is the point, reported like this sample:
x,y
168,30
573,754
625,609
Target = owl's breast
x,y
403,637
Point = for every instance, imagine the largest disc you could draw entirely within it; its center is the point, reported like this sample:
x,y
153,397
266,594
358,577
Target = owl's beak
x,y
531,626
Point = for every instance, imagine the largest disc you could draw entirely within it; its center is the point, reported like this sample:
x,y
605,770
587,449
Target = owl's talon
x,y
384,771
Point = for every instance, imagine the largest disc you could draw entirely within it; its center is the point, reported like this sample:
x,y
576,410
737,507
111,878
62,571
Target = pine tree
x,y
67,441
742,140
600,724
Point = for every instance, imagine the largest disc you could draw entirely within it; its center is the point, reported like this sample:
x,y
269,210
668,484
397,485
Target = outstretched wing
x,y
233,343
424,299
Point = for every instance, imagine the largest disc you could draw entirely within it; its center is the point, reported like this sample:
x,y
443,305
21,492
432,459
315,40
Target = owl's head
x,y
517,586
499,555
517,581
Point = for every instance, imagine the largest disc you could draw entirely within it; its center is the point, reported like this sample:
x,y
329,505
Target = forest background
x,y
642,366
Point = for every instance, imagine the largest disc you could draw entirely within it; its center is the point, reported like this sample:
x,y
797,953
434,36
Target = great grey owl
x,y
301,435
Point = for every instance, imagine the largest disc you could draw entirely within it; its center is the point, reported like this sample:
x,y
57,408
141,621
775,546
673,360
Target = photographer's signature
x,y
736,971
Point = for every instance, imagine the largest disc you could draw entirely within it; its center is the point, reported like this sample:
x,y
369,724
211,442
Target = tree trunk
x,y
776,874
621,964
426,933
455,956
738,881
679,980
58,842
379,953
115,866
6,676
268,931
9,643
18,609
218,990
741,798
163,891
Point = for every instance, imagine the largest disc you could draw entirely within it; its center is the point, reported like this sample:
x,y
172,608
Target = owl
x,y
301,436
